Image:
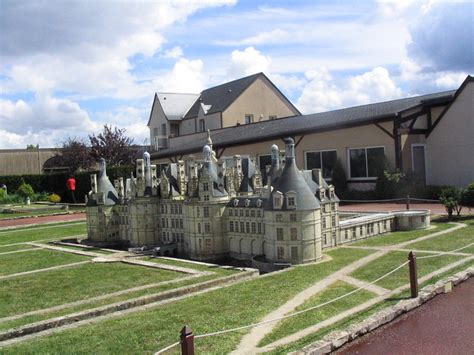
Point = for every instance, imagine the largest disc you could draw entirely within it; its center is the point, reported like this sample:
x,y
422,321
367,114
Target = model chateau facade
x,y
210,209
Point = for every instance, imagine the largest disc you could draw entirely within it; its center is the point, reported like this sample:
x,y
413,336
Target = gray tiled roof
x,y
221,96
317,122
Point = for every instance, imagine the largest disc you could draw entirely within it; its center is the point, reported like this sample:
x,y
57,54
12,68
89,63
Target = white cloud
x,y
246,62
186,76
321,93
174,53
450,80
266,37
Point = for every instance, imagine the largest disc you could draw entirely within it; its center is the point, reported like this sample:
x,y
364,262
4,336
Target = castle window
x,y
241,213
247,213
326,207
231,226
247,227
354,231
333,221
291,202
208,244
205,211
166,220
254,228
277,200
199,228
181,223
231,212
294,253
324,222
180,209
242,227
205,186
293,217
333,206
279,217
237,227
252,213
248,118
259,213
294,233
163,222
207,228
280,252
325,239
200,244
259,227
206,197
197,212
172,222
279,232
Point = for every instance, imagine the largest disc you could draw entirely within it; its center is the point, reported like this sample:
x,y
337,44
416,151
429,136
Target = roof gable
x,y
173,105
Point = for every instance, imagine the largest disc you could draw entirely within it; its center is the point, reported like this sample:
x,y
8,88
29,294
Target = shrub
x,y
451,199
25,190
3,194
339,179
54,198
387,183
468,196
42,196
10,199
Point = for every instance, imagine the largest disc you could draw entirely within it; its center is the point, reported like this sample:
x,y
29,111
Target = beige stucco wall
x,y
450,147
24,161
407,143
157,119
260,99
340,140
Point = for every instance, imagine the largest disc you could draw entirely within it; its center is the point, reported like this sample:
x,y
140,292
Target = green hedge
x,y
56,183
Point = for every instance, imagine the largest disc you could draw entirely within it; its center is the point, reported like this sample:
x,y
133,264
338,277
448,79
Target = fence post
x,y
187,341
408,202
413,274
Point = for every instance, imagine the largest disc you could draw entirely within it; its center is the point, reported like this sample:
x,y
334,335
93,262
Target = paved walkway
x,y
445,325
42,220
249,342
435,208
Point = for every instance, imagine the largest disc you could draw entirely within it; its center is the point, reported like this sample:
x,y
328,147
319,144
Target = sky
x,y
69,67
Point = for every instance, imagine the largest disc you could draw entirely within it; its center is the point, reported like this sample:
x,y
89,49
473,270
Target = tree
x,y
32,147
468,196
112,145
75,155
451,199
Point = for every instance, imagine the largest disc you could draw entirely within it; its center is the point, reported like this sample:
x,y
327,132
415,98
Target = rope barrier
x,y
403,199
313,307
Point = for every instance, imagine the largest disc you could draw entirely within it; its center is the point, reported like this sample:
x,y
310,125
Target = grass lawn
x,y
49,232
43,290
177,262
82,248
390,261
232,306
6,249
302,321
402,236
36,259
451,241
343,324
217,273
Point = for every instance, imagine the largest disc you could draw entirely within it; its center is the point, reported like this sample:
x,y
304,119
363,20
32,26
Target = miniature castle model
x,y
210,209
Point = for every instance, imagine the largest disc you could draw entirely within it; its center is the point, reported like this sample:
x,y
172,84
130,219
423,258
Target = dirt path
x,y
29,221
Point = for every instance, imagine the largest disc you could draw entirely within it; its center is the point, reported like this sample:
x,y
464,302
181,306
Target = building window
x,y
324,222
280,253
181,223
231,226
279,217
248,119
199,228
207,228
294,253
259,227
231,213
200,244
366,162
205,186
277,200
294,233
202,126
180,209
324,160
325,239
333,221
241,213
259,213
236,227
252,213
291,201
247,213
254,228
247,227
197,212
293,217
205,211
242,227
208,244
206,197
279,232
172,222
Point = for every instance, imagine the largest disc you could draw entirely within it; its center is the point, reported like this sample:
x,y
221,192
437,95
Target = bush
x,y
11,199
54,198
451,199
468,196
339,179
387,184
25,190
42,196
3,194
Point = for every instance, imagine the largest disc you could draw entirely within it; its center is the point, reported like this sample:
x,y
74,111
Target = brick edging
x,y
337,339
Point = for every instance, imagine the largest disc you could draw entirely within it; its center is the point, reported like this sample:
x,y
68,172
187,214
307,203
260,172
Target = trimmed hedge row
x,y
56,183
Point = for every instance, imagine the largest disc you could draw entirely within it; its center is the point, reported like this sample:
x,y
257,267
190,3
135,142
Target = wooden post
x,y
187,341
408,202
413,274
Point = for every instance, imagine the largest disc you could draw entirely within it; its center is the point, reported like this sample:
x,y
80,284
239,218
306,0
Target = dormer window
x,y
291,199
236,203
205,186
247,203
259,203
277,200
